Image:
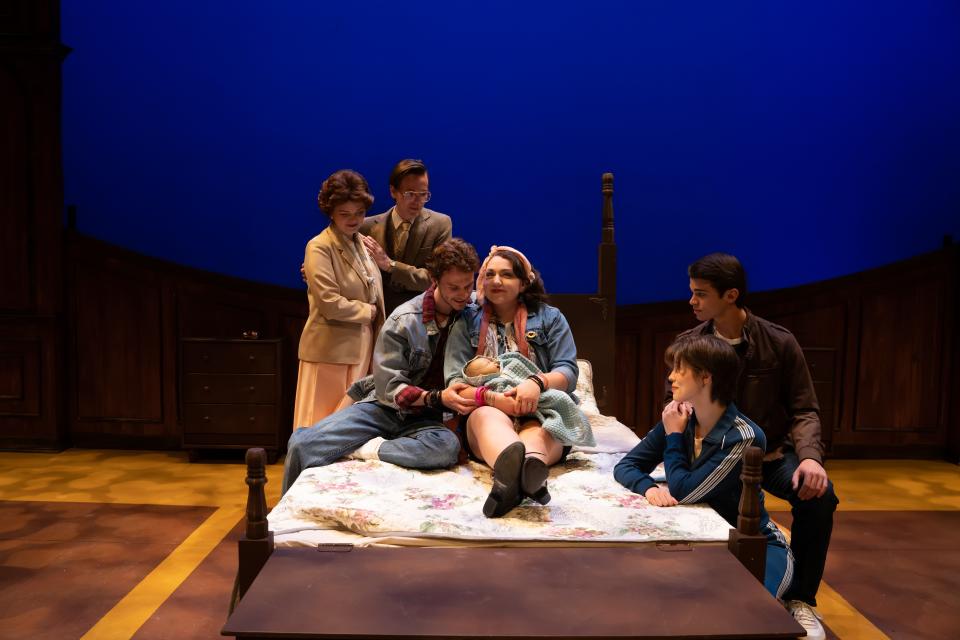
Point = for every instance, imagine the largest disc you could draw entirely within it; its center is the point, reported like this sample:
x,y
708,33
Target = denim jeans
x,y
811,528
416,441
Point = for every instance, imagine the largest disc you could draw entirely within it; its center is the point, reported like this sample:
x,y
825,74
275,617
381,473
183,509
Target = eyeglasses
x,y
414,195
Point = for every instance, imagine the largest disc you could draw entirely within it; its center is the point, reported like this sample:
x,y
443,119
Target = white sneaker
x,y
369,451
808,618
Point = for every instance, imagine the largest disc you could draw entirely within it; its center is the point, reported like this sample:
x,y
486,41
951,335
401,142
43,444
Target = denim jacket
x,y
403,352
548,335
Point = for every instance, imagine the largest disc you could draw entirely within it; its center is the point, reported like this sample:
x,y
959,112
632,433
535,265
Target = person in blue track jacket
x,y
701,440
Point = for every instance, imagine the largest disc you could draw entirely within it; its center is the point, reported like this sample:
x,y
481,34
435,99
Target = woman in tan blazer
x,y
345,292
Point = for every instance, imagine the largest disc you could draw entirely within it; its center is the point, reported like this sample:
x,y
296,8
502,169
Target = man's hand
x,y
303,272
452,399
660,497
527,394
377,253
675,416
813,477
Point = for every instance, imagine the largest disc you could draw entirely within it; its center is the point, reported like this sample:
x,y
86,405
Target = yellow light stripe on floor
x,y
128,615
843,619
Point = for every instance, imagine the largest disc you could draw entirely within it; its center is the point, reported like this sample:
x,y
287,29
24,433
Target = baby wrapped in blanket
x,y
556,410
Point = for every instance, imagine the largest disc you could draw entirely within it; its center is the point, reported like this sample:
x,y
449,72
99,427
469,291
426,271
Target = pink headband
x,y
528,268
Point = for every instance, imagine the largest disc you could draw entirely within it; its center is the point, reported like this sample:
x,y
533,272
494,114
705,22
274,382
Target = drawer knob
x,y
206,418
206,387
253,419
204,357
252,389
252,358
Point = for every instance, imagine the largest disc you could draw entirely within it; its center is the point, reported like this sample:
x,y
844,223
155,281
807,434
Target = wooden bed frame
x,y
288,600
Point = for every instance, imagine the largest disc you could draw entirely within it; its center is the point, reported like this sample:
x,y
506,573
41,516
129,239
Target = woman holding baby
x,y
509,437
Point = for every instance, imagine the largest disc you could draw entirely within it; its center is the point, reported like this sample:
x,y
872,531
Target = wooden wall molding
x,y
30,374
20,378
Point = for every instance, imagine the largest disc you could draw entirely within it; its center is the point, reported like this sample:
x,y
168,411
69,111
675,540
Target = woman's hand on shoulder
x,y
527,395
660,497
675,416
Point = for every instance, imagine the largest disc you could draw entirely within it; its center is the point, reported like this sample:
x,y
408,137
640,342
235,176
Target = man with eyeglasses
x,y
400,240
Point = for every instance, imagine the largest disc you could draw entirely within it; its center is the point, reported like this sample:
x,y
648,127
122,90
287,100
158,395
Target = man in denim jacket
x,y
400,420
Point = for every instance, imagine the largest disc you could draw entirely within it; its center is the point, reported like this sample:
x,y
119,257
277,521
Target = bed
x,y
366,549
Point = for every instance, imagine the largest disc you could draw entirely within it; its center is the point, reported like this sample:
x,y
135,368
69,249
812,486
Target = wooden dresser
x,y
230,394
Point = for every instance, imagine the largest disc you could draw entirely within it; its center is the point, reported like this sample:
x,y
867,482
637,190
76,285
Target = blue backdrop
x,y
813,139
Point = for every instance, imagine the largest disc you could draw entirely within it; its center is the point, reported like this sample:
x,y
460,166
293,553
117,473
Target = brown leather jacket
x,y
774,388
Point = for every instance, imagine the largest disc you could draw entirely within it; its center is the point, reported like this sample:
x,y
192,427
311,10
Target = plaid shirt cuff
x,y
407,397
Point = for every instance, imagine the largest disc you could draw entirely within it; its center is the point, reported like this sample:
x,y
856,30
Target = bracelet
x,y
435,400
478,396
539,382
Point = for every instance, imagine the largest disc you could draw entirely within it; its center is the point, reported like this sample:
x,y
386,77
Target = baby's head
x,y
481,366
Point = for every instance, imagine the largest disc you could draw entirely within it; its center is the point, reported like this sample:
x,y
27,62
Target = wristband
x,y
537,380
478,396
435,400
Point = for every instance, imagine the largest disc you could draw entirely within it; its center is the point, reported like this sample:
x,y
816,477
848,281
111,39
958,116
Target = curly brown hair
x,y
343,186
455,253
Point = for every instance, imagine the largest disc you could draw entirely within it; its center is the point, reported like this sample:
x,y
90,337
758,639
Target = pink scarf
x,y
519,329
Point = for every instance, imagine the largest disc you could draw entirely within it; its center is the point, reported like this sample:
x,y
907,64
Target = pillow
x,y
611,435
588,402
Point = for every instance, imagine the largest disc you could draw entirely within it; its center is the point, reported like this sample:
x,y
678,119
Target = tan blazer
x,y
338,295
409,277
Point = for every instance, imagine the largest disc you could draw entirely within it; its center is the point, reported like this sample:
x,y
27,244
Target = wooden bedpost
x,y
746,542
607,273
257,543
600,341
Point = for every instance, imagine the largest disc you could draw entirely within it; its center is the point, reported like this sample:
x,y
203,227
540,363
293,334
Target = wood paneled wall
x,y
31,196
881,347
128,312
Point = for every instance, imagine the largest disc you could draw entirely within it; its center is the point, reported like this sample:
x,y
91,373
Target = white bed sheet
x,y
366,503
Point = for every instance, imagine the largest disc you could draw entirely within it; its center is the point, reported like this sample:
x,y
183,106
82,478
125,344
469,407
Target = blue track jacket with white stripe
x,y
714,477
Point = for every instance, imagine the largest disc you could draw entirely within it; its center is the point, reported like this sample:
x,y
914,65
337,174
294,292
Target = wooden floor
x,y
121,544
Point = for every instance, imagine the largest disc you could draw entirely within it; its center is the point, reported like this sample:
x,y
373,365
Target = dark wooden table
x,y
595,592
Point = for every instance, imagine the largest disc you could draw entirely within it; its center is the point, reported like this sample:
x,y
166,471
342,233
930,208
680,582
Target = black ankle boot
x,y
505,494
533,479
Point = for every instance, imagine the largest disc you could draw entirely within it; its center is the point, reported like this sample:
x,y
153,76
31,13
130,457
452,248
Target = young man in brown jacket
x,y
774,389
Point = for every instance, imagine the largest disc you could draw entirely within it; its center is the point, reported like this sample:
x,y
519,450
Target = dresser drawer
x,y
227,387
229,418
229,357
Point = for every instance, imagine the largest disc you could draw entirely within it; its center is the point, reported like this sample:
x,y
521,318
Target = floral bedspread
x,y
379,499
